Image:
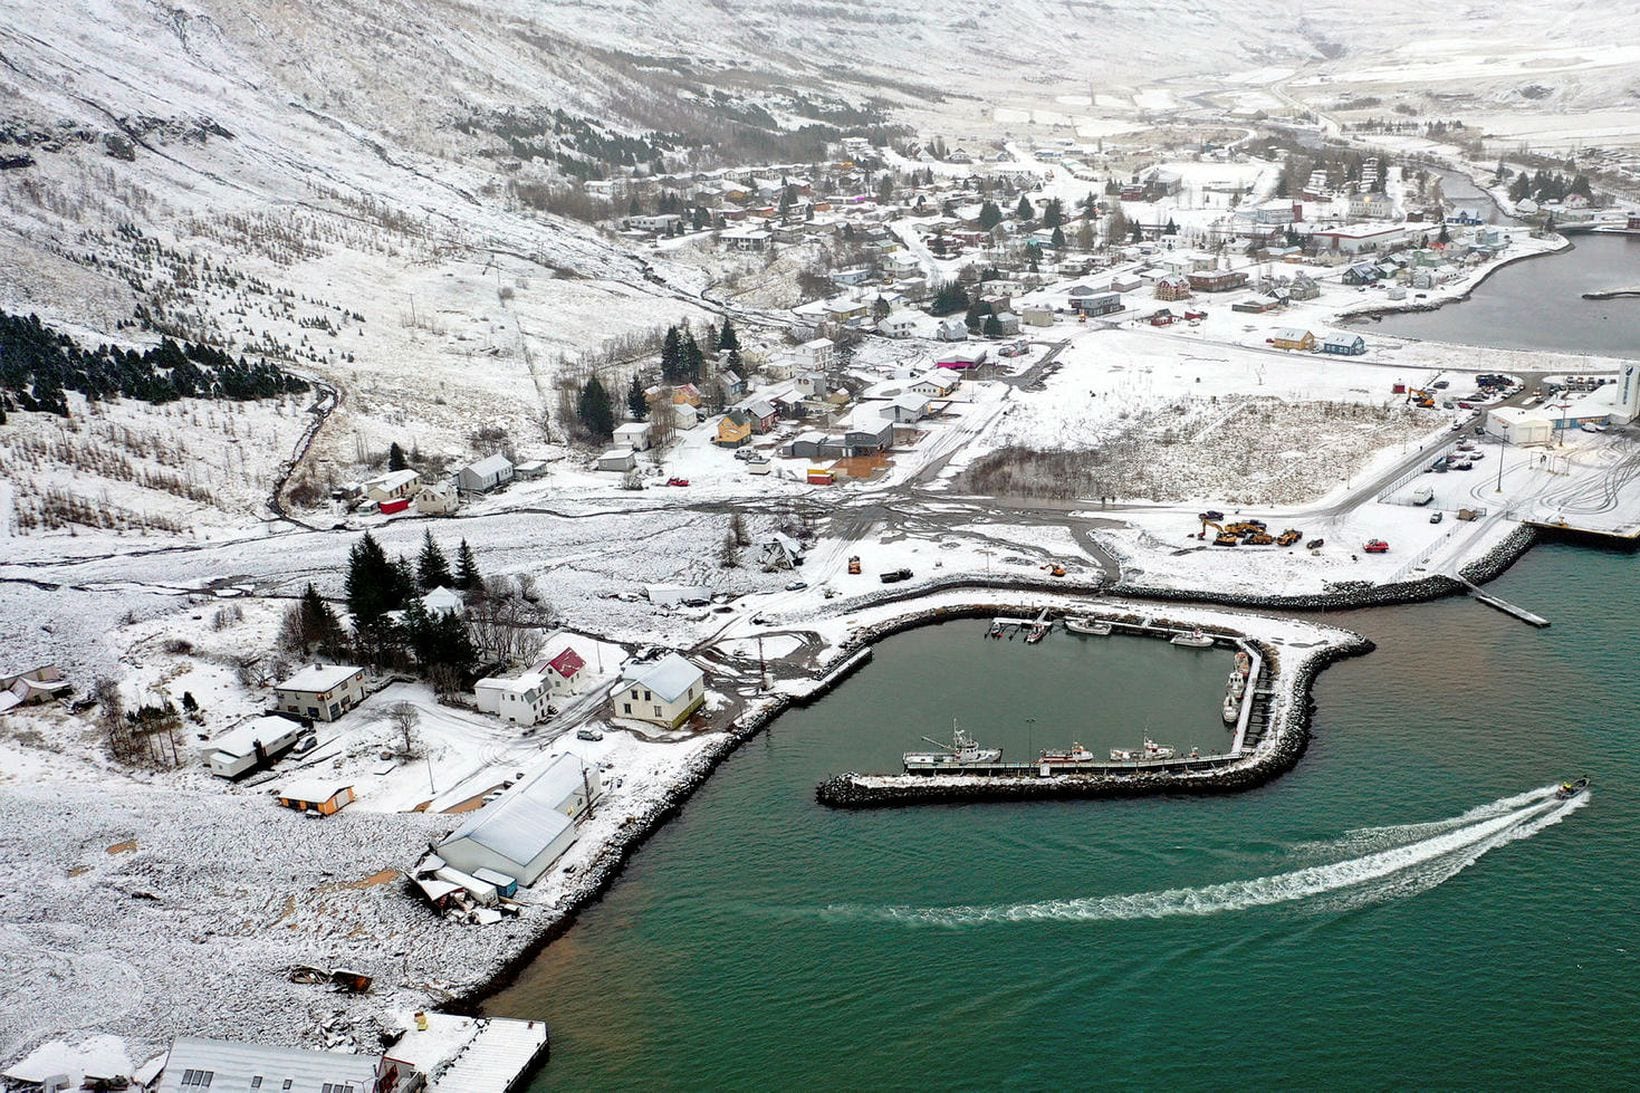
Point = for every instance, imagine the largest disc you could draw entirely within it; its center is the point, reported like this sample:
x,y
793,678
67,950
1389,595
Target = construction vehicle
x,y
1289,537
1224,538
1244,527
854,564
1259,538
1218,528
1055,569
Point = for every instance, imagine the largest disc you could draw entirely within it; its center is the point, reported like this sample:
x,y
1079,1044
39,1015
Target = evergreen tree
x,y
1172,227
372,586
693,359
1089,206
1053,214
1520,188
403,582
993,328
395,457
671,355
432,568
467,577
595,411
1138,233
1445,236
439,640
949,300
319,624
637,403
727,337
989,215
1058,239
1024,210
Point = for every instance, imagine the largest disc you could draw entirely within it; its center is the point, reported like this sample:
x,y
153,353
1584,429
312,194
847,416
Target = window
x,y
256,1082
657,711
313,711
197,1079
626,707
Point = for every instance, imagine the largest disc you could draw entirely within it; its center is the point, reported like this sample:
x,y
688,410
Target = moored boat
x,y
1087,625
1568,790
1076,754
1232,710
1194,640
961,752
1151,750
1236,685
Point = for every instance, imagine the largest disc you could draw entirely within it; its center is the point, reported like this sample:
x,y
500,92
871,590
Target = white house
x,y
634,435
815,353
391,486
905,409
251,744
951,329
483,475
565,672
529,828
617,459
437,499
197,1065
901,324
664,693
938,383
321,692
519,699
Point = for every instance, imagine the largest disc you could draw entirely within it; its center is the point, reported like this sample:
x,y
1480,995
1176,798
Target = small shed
x,y
619,460
323,796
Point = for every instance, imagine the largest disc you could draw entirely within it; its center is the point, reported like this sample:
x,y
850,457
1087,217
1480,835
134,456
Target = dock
x,y
473,1054
1501,604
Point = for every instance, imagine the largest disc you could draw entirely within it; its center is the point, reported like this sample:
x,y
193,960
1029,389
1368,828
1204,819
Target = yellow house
x,y
686,394
326,798
1293,338
734,429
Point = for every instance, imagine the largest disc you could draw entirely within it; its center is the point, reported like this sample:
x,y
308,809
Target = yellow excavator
x,y
1222,536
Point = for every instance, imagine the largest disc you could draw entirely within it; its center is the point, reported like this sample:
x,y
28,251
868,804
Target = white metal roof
x,y
319,678
392,480
233,1065
527,818
314,788
489,465
511,685
241,739
670,677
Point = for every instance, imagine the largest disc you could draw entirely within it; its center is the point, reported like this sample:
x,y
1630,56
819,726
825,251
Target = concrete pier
x,y
1508,608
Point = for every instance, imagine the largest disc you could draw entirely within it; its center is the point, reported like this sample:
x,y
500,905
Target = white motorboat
x,y
1076,754
1194,640
1232,710
1151,750
1088,625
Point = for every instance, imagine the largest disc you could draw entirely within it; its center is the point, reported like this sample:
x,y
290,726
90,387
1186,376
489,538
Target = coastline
x,y
1350,318
855,652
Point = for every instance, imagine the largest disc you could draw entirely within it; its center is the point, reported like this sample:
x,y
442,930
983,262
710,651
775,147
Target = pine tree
x,y
993,327
1053,214
467,577
989,215
671,355
637,403
319,624
1058,239
403,584
727,337
395,457
1024,210
595,411
693,359
432,568
371,590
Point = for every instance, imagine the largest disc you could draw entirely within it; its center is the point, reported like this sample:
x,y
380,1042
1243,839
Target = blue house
x,y
1362,273
1344,345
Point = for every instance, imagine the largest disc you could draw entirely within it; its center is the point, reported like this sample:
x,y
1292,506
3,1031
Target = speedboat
x,y
1194,640
1568,790
961,752
1088,625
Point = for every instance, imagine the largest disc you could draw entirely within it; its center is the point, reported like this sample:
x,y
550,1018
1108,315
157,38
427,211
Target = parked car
x,y
589,734
894,576
306,744
796,586
1376,546
1441,385
677,481
1437,517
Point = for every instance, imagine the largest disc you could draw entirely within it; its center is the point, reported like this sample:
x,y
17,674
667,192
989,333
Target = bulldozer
x,y
1289,537
1243,527
1259,538
1224,538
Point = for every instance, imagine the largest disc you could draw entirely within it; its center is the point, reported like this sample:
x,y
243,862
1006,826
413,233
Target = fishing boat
x,y
1038,631
1236,685
1089,625
1244,663
961,752
1194,640
1151,750
1571,789
1232,710
1076,754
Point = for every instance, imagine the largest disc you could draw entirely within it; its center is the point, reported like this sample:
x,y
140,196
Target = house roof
x,y
241,739
235,1064
516,685
392,480
442,599
315,788
319,677
1343,339
1292,334
490,464
567,663
526,819
670,677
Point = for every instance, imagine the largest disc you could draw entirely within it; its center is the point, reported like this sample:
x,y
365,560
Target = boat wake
x,y
1420,857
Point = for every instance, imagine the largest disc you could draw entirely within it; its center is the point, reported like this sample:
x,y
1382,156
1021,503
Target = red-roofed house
x,y
566,671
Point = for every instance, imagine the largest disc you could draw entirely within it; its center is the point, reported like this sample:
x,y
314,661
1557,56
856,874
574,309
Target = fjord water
x,y
1537,304
1407,907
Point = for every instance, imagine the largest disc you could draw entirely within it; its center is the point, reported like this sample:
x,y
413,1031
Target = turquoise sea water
x,y
1407,907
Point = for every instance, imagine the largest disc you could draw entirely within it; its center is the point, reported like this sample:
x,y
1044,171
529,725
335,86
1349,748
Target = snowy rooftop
x,y
319,678
510,684
526,818
235,1066
242,738
669,677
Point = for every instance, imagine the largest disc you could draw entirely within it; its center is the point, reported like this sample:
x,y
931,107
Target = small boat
x,y
961,752
1194,640
1568,790
995,631
1089,625
1151,750
1232,710
1236,685
1037,633
1076,754
1244,663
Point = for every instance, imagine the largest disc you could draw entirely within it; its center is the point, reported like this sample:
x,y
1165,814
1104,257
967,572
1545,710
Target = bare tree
x,y
502,624
737,528
404,718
